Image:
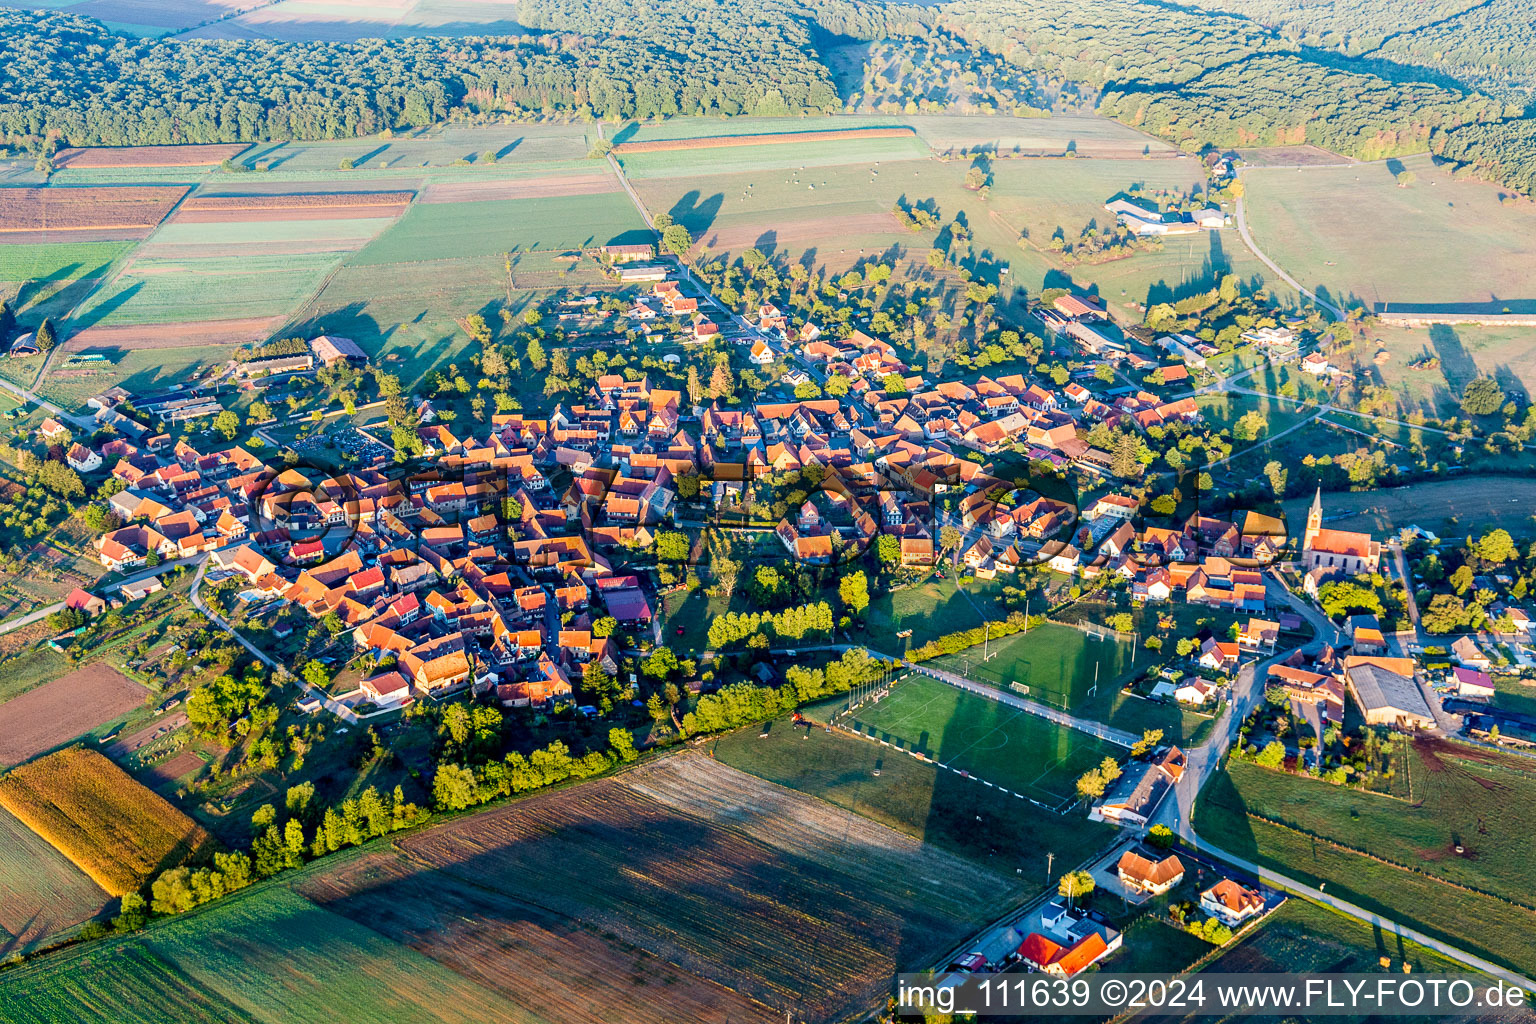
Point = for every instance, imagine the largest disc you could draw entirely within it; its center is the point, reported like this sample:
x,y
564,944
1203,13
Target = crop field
x,y
211,240
1478,798
432,152
535,187
1085,136
30,670
1057,664
31,210
265,957
782,902
55,713
1353,234
759,139
1020,752
147,156
914,797
47,278
1448,508
440,231
43,893
155,290
750,157
93,812
294,206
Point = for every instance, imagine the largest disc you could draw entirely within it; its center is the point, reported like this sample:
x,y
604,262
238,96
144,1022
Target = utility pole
x,y
1050,859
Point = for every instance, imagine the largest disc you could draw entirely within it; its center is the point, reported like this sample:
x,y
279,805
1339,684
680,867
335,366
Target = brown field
x,y
796,233
86,209
57,712
76,235
116,830
551,187
773,139
41,892
147,156
172,768
1291,156
681,890
302,206
193,334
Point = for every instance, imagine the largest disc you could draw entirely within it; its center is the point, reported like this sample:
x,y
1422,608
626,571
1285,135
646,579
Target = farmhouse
x,y
1473,684
81,459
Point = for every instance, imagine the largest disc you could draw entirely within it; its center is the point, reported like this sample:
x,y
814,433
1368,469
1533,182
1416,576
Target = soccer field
x,y
1056,665
1009,748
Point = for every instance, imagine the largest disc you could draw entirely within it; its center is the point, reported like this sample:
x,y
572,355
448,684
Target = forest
x,y
1452,78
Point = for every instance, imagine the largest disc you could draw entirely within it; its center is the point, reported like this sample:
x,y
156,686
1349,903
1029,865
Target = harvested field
x,y
173,768
799,234
185,335
302,206
147,156
768,139
44,894
57,712
86,209
1469,504
118,831
526,188
791,903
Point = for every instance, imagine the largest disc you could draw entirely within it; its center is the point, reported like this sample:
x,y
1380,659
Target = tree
x,y
894,384
1276,472
317,675
536,357
676,240
227,423
454,788
622,744
1074,885
853,588
1406,178
1150,738
1160,836
46,337
1251,426
1091,785
1272,756
1496,547
1104,372
672,546
888,550
1482,397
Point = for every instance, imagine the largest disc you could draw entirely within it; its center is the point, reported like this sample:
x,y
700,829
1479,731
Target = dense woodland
x,y
1451,76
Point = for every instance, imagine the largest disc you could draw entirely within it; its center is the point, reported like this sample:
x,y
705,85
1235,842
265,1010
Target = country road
x,y
1242,229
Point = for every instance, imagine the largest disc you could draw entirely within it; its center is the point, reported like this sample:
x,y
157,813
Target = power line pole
x,y
1050,859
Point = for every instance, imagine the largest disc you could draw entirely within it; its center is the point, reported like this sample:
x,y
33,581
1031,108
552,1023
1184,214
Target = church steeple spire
x,y
1314,519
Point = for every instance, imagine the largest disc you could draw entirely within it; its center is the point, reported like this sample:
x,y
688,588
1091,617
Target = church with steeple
x,y
1327,553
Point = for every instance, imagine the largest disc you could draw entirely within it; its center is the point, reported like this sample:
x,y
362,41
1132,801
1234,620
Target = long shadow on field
x,y
97,314
1455,361
626,900
696,213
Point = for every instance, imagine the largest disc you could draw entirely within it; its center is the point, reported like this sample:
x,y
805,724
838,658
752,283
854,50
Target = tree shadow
x,y
695,213
97,314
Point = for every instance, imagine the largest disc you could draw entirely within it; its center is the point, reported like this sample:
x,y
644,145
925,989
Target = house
x,y
1133,798
52,431
1387,693
1218,654
78,600
762,355
1231,903
1258,635
1467,652
1194,691
1472,684
24,345
81,459
388,688
1144,875
1051,957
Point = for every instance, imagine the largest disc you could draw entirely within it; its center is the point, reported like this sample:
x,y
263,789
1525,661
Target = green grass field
x,y
1507,353
339,234
1354,232
440,231
143,369
813,156
1057,664
267,957
930,610
913,797
30,670
47,278
1449,508
153,290
45,894
1485,807
992,741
